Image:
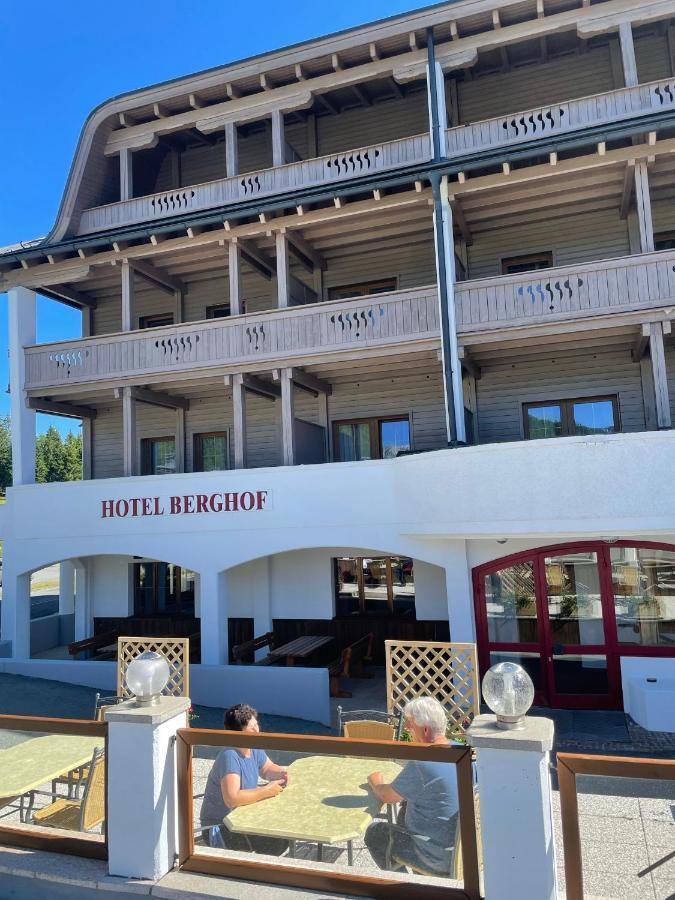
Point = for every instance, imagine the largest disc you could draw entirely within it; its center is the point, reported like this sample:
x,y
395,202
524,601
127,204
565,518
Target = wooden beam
x,y
257,259
234,276
56,408
660,374
287,417
156,276
361,95
283,270
238,420
231,149
469,364
278,140
127,288
643,205
307,382
255,385
627,191
153,398
462,224
69,296
641,344
302,248
630,73
129,441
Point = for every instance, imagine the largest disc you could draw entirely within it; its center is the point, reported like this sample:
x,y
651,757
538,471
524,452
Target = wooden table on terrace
x,y
33,761
300,648
327,801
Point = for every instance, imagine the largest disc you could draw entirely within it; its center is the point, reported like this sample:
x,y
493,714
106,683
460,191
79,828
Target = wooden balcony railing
x,y
558,118
569,292
247,341
337,167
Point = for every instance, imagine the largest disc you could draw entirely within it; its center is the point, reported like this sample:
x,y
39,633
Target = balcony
x,y
561,118
334,169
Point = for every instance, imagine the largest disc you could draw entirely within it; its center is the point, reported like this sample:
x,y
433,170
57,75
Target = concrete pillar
x,y
514,785
22,321
234,275
66,588
262,603
15,608
231,150
142,791
459,594
212,590
84,620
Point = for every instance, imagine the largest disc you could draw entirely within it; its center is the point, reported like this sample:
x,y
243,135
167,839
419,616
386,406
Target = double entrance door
x,y
554,613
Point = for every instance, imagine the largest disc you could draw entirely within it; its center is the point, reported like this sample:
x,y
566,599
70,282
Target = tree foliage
x,y
56,459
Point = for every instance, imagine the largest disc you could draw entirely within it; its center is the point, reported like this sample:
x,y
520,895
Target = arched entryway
x,y
568,613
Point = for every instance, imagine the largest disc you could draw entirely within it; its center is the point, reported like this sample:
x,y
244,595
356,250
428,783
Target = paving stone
x,y
617,886
609,805
659,834
662,863
664,889
661,810
600,856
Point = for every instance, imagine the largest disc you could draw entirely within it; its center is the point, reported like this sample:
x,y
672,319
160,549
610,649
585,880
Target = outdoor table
x,y
300,648
327,801
30,763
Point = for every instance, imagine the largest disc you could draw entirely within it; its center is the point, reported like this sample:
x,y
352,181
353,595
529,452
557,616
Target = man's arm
x,y
385,793
234,795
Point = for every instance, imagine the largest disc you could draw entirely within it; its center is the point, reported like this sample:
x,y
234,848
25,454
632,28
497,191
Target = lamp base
x,y
148,701
511,723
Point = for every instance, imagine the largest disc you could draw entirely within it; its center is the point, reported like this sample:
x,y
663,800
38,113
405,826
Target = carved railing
x,y
558,118
245,341
336,167
569,292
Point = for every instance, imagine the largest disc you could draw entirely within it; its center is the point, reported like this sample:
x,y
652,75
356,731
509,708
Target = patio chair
x,y
369,724
102,703
79,815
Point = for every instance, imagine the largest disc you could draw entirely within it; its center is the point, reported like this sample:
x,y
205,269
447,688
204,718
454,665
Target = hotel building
x,y
376,338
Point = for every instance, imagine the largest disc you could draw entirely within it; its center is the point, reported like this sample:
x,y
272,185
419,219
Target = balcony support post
x,y
127,296
231,149
628,54
278,139
660,373
126,174
234,275
239,420
283,270
643,205
287,417
87,449
180,439
22,322
129,432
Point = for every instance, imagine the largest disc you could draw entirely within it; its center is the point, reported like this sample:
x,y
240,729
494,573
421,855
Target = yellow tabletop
x,y
28,765
327,800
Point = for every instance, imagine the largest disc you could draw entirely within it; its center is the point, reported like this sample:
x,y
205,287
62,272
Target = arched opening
x,y
569,613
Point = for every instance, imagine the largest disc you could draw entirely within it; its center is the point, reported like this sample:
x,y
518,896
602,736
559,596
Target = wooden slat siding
x,y
503,389
670,370
651,56
560,117
663,215
181,347
330,168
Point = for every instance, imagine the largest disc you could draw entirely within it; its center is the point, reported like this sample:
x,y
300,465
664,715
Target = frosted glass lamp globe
x,y
509,692
147,676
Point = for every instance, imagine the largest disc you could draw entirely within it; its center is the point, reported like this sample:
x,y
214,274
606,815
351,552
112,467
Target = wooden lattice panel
x,y
447,672
176,651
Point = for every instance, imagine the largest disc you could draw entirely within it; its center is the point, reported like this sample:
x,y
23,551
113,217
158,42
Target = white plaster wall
x,y
302,585
431,599
109,583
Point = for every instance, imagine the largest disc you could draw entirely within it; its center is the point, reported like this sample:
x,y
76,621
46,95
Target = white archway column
x,y
262,604
460,593
66,588
212,588
83,613
15,609
22,324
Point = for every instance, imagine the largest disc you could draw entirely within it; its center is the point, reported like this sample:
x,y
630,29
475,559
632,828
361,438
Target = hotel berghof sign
x,y
185,504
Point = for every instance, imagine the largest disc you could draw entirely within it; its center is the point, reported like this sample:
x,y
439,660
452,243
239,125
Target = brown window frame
x,y
567,412
363,605
198,452
364,288
661,237
177,594
149,321
545,256
210,310
146,451
374,422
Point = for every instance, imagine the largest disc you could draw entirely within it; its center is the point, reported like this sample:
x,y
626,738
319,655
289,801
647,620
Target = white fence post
x,y
141,823
514,787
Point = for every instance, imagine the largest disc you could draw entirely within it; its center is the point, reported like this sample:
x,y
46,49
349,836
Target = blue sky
x,y
62,58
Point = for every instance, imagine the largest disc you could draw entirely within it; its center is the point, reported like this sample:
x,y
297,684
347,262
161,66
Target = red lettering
x,y
231,502
215,503
107,511
188,505
261,498
175,506
247,501
134,505
158,511
147,506
202,500
122,508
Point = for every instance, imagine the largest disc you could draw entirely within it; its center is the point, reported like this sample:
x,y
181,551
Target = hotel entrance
x,y
567,614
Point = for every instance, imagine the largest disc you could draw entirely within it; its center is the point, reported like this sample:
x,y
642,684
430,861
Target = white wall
x,y
431,600
109,582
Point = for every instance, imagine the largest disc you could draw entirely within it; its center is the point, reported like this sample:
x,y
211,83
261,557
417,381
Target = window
x,y
158,456
220,311
644,595
158,321
362,289
162,589
561,418
375,586
211,452
664,240
512,265
371,438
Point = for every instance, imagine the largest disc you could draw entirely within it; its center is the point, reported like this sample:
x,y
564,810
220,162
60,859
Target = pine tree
x,y
5,454
72,450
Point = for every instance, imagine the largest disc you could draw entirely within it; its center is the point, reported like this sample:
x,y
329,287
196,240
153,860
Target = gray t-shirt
x,y
430,792
228,762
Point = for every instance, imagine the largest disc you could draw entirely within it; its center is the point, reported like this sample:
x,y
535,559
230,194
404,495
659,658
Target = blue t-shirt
x,y
430,792
229,762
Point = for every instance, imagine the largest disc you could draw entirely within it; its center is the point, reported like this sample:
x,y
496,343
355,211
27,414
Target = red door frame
x,y
612,649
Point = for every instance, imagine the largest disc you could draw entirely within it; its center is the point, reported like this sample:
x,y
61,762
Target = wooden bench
x,y
350,664
93,644
243,653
